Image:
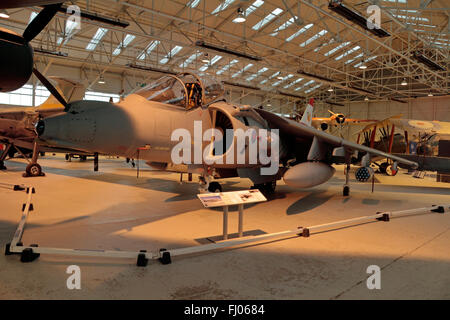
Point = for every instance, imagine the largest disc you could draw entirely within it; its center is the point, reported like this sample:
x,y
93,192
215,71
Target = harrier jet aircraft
x,y
152,123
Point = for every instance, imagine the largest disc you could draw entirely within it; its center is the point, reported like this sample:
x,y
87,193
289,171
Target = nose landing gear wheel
x,y
33,170
214,187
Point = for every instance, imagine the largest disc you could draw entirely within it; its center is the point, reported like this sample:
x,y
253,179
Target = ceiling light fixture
x,y
205,58
430,94
330,89
4,14
101,80
404,83
363,65
240,17
366,99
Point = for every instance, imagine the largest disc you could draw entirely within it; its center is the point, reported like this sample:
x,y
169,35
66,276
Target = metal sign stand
x,y
33,251
240,221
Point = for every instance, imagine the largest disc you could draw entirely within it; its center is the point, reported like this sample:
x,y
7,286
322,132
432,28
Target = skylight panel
x,y
207,65
347,53
122,45
228,66
276,83
411,18
243,70
396,1
354,58
96,39
319,47
255,5
32,16
283,26
313,88
172,52
189,60
367,60
292,83
337,48
299,32
314,37
264,81
222,6
193,3
281,80
260,71
151,46
267,19
274,75
305,85
421,24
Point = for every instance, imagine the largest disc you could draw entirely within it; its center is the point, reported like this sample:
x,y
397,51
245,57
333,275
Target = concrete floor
x,y
111,209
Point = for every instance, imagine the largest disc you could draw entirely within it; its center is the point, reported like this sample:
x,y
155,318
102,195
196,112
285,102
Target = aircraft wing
x,y
302,131
429,163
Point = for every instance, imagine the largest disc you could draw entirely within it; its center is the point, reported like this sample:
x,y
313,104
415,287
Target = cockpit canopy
x,y
185,90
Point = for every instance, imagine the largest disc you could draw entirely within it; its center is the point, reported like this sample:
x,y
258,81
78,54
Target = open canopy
x,y
185,90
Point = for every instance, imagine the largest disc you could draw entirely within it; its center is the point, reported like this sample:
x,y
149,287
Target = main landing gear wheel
x,y
390,171
383,167
267,188
33,170
214,187
346,191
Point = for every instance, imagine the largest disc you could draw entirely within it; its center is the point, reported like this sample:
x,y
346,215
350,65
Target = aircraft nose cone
x,y
40,127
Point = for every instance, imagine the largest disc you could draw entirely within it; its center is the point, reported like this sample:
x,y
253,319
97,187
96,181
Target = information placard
x,y
221,199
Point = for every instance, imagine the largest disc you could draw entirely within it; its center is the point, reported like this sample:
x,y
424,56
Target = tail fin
x,y
308,114
70,90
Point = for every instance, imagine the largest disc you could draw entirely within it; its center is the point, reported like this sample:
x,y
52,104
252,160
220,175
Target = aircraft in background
x,y
16,53
337,120
141,126
419,143
17,124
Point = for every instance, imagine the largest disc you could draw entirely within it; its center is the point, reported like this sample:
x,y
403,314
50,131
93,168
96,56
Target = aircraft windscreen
x,y
168,89
213,89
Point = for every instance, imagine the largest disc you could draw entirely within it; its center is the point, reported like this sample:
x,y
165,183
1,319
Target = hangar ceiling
x,y
293,49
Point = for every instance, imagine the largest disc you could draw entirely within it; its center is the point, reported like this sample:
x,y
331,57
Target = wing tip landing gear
x,y
346,191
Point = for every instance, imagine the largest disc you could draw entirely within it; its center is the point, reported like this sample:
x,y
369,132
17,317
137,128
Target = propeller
x,y
51,88
40,21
